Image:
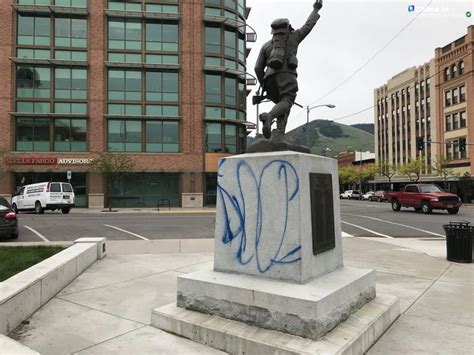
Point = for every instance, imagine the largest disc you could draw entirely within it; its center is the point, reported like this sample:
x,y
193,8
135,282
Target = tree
x,y
384,168
441,167
412,169
112,167
348,175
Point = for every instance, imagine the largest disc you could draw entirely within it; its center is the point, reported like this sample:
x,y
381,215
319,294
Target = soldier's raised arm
x,y
313,18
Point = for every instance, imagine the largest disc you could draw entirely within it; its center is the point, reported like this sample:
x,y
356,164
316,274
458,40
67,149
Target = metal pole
x,y
258,118
307,126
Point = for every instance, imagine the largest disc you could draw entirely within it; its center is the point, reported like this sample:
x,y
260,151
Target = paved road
x,y
373,219
359,218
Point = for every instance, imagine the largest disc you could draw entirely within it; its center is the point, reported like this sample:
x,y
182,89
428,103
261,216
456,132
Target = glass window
x,y
70,55
462,93
33,81
164,9
455,96
170,137
230,43
162,86
448,122
70,135
125,34
33,30
230,91
463,120
455,120
213,88
33,134
124,136
124,84
33,53
162,36
70,32
125,6
71,3
70,83
447,98
34,2
213,138
213,39
154,136
230,139
74,108
55,187
461,67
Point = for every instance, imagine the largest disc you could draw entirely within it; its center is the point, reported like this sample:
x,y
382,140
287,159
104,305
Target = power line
x,y
373,57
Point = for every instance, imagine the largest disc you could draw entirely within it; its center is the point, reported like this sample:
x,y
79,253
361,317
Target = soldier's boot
x,y
267,120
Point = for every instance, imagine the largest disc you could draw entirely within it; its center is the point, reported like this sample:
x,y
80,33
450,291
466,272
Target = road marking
x,y
125,231
37,233
397,224
347,235
368,230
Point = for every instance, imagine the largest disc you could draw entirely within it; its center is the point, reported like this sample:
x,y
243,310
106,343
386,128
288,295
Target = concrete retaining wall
x,y
23,294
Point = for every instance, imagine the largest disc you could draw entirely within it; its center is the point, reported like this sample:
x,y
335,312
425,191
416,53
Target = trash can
x,y
459,241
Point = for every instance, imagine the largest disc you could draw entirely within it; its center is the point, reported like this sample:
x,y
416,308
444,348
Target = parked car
x,y
44,196
8,220
367,195
350,195
378,196
425,198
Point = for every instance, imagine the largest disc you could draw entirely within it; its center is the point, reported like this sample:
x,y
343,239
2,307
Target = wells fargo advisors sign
x,y
47,161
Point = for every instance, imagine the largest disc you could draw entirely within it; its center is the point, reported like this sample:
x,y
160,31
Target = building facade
x,y
455,103
405,110
161,81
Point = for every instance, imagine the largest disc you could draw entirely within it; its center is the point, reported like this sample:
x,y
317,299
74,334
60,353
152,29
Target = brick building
x,y
162,81
455,90
433,102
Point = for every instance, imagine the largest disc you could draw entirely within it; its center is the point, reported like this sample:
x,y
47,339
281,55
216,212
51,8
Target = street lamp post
x,y
308,109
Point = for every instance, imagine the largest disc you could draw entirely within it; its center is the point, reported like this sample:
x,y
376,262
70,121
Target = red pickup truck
x,y
425,198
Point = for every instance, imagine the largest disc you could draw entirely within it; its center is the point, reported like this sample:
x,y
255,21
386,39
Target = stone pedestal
x,y
278,257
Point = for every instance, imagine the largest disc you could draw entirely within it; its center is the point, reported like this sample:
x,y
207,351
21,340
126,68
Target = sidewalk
x,y
107,309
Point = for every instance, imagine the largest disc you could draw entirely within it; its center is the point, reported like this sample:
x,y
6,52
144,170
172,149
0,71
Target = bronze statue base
x,y
276,143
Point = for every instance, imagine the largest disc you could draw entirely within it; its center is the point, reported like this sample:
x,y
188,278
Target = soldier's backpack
x,y
280,36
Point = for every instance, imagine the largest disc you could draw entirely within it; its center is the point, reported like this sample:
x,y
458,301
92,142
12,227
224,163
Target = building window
x,y
33,134
448,123
70,135
461,67
162,86
34,30
33,82
125,84
125,34
446,74
453,71
224,42
455,121
455,97
151,136
447,98
213,88
70,32
463,120
162,36
125,6
44,135
70,83
462,93
224,138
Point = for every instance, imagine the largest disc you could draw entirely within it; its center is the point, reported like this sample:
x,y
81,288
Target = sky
x,y
347,35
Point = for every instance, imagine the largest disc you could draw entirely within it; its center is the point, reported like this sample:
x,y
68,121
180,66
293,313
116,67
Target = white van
x,y
44,196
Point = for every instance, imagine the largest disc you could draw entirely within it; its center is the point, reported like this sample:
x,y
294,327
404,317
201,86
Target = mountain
x,y
335,136
367,127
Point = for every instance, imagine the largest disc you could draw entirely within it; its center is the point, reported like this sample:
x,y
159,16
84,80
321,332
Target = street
x,y
359,219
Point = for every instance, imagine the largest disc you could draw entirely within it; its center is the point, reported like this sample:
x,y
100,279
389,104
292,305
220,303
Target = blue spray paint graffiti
x,y
246,226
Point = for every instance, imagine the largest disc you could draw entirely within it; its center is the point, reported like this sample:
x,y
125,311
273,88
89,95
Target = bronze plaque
x,y
322,212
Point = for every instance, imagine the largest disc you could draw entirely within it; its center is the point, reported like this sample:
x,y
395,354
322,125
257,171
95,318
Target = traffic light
x,y
420,144
462,144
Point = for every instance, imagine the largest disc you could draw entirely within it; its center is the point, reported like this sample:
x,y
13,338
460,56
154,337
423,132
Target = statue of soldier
x,y
276,68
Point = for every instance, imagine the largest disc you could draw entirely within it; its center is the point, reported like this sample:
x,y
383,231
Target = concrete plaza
x,y
107,309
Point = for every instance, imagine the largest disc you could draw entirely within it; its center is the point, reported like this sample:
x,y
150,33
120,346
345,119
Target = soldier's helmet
x,y
281,25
